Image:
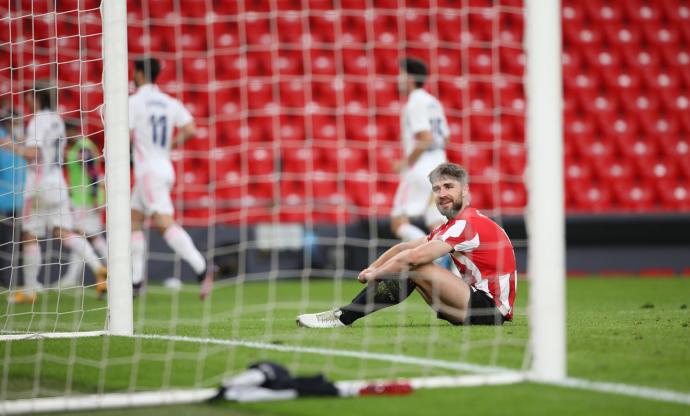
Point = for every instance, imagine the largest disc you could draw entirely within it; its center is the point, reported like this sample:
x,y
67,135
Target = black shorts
x,y
481,311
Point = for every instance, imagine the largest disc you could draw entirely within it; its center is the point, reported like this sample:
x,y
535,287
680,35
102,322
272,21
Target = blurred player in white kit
x,y
153,115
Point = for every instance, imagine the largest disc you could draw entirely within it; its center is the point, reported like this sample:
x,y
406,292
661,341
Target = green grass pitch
x,y
626,330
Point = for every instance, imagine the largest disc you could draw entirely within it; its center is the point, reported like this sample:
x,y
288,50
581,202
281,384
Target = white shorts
x,y
46,204
151,194
88,221
414,198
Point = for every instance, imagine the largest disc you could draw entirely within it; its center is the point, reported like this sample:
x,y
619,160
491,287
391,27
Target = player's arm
x,y
423,141
407,259
391,252
184,133
30,153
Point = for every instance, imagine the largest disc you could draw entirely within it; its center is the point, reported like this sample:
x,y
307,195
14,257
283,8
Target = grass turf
x,y
622,330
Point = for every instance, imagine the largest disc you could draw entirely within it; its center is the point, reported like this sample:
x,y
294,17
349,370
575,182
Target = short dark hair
x,y
45,95
150,67
416,68
451,171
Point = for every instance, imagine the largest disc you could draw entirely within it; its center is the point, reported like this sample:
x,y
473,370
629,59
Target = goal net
x,y
286,187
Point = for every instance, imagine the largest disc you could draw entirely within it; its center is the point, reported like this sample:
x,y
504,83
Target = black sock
x,y
376,296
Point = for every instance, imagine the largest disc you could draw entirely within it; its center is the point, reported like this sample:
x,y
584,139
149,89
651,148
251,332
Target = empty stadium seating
x,y
283,90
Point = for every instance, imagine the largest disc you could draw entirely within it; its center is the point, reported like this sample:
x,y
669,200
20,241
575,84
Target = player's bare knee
x,y
396,222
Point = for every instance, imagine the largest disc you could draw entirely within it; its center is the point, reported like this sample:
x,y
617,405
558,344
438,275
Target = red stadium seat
x,y
299,159
631,196
662,80
324,127
324,185
480,61
385,157
602,104
656,170
619,36
354,30
257,29
259,95
292,93
602,59
592,197
572,12
512,61
323,62
386,59
323,26
511,28
385,29
577,172
660,34
289,62
226,35
260,160
642,58
583,82
326,93
603,13
289,27
621,79
512,195
347,159
193,38
613,125
417,26
637,148
635,101
613,171
596,150
582,36
513,159
359,186
674,195
643,12
579,129
675,147
291,129
658,125
450,25
449,62
482,195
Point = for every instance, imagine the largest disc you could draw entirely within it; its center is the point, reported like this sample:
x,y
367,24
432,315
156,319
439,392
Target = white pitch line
x,y
427,362
603,387
626,390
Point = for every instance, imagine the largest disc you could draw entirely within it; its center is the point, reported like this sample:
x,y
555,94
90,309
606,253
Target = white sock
x,y
83,249
75,270
409,232
101,247
181,243
138,256
31,260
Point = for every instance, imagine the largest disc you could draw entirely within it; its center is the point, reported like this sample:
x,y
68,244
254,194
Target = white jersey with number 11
x,y
153,115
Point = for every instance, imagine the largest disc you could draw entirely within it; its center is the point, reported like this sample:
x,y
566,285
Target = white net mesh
x,y
286,186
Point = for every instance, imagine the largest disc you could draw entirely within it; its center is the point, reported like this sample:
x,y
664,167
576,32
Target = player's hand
x,y
367,275
398,165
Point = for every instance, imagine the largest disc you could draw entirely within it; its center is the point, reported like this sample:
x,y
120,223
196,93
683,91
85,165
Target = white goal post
x,y
545,220
545,217
115,91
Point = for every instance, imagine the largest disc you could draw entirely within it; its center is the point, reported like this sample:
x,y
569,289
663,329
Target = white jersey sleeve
x,y
31,140
181,116
423,112
419,116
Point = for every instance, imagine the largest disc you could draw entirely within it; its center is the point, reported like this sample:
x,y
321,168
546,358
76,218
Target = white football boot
x,y
327,319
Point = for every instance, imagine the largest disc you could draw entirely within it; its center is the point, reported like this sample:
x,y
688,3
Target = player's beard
x,y
452,211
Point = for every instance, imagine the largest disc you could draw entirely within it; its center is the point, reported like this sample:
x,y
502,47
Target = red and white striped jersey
x,y
483,254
